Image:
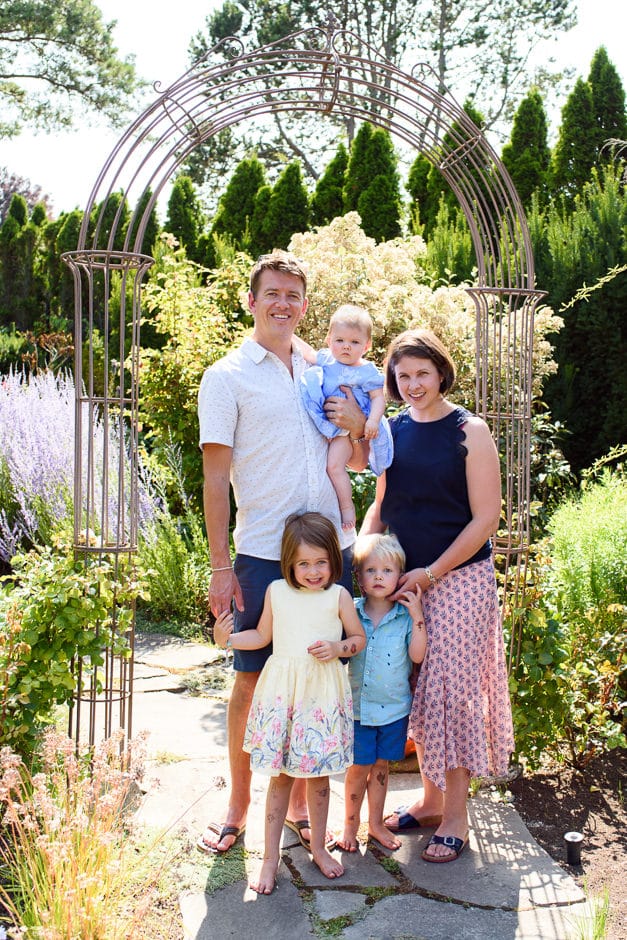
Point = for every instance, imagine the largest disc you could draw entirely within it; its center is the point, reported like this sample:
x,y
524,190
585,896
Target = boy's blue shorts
x,y
254,576
380,742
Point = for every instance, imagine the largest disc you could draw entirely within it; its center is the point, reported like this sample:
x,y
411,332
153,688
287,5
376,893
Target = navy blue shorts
x,y
254,576
380,742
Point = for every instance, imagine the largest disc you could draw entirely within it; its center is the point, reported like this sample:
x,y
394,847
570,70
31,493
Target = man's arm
x,y
224,586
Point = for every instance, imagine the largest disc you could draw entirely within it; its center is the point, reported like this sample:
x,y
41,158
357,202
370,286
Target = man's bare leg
x,y
239,760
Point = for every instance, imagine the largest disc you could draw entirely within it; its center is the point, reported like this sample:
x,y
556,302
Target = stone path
x,y
503,886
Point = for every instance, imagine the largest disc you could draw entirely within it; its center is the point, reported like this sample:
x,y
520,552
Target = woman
x,y
441,497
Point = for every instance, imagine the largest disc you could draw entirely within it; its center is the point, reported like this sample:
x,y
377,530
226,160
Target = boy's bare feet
x,y
348,842
265,883
382,834
327,864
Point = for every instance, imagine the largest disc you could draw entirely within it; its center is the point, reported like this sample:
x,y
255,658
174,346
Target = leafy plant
x,y
58,608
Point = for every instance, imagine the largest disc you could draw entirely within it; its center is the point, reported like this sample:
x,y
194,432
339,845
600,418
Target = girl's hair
x,y
277,260
421,344
313,529
352,315
379,546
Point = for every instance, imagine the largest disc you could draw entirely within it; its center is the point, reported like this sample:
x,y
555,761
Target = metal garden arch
x,y
325,71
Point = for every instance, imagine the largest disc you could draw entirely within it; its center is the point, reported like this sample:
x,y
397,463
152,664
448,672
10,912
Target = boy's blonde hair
x,y
381,546
352,315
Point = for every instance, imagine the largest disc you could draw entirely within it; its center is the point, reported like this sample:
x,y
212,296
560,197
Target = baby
x,y
342,363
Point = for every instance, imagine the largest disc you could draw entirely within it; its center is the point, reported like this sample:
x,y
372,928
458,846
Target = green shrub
x,y
568,686
55,609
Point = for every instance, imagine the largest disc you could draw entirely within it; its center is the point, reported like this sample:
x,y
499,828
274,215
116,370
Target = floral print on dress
x,y
461,712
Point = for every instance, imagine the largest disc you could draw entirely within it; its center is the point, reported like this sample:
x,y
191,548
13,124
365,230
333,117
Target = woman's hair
x,y
313,529
379,546
421,344
352,315
277,260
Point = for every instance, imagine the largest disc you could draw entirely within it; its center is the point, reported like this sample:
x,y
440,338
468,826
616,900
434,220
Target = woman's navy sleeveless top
x,y
426,497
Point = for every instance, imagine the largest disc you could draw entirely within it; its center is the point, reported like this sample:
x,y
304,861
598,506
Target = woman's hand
x,y
223,628
415,580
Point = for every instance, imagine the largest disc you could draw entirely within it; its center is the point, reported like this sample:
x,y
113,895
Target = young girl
x,y
301,719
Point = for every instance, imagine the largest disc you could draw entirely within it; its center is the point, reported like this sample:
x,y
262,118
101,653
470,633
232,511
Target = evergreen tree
x,y
21,294
185,217
608,100
237,203
357,178
372,185
576,150
589,392
527,156
327,201
152,230
288,207
417,188
260,240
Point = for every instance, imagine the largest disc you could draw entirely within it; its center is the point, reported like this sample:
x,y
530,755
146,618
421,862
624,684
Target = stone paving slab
x,y
236,911
174,653
416,918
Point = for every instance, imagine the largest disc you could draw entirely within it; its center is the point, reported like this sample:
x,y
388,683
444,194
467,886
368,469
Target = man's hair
x,y
421,344
383,547
352,315
277,260
314,529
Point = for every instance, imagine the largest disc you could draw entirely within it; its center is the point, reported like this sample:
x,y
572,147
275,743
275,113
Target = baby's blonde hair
x,y
381,546
352,315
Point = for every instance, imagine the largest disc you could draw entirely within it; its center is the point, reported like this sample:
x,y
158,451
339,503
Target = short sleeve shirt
x,y
379,675
249,401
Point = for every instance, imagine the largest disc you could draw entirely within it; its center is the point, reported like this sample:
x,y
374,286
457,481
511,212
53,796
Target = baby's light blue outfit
x,y
324,379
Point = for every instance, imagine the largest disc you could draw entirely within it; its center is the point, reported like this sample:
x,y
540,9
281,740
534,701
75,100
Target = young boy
x,y
342,363
379,677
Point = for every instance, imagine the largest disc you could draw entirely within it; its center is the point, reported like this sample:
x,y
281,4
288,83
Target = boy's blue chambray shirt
x,y
379,675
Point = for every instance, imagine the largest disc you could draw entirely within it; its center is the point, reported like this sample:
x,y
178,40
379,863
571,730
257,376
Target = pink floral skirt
x,y
461,713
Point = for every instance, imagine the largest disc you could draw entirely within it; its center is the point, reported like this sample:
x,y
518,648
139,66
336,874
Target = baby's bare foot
x,y
327,864
265,882
382,834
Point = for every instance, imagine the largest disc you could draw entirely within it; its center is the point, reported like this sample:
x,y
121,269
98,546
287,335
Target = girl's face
x,y
311,567
418,382
378,577
347,343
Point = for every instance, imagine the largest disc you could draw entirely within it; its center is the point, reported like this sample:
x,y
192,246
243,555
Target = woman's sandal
x,y
456,846
406,821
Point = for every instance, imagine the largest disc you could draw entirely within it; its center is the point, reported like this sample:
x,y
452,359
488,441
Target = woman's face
x,y
418,382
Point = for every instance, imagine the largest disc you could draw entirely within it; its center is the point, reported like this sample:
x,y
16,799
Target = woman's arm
x,y
354,640
483,478
245,639
373,523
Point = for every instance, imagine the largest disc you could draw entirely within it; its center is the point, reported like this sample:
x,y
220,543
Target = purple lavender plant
x,y
37,463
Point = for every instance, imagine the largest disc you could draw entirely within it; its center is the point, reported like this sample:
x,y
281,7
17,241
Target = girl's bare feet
x,y
382,834
265,882
327,864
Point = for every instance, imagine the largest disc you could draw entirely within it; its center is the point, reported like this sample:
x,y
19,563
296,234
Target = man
x,y
256,434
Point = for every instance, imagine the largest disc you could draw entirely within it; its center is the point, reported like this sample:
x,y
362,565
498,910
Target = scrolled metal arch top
x,y
345,77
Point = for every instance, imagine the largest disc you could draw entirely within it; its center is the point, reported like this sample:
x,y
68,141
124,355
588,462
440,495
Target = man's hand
x,y
224,588
345,413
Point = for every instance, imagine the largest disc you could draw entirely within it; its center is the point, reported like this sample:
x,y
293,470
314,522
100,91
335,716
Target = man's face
x,y
278,306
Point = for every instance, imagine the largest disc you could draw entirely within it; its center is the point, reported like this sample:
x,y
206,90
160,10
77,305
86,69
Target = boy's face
x,y
378,577
347,343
